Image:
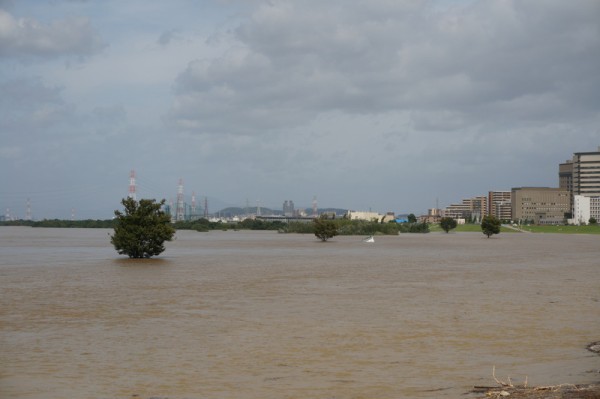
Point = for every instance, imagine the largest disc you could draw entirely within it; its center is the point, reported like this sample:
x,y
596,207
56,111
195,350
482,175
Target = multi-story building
x,y
457,211
499,204
470,208
369,216
389,217
434,212
595,208
565,179
586,173
288,208
580,176
540,205
585,208
479,207
565,175
433,216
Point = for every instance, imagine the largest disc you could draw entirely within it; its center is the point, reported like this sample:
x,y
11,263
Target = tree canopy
x,y
447,224
140,232
490,225
325,229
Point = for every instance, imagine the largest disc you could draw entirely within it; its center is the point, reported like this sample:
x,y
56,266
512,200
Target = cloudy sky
x,y
386,105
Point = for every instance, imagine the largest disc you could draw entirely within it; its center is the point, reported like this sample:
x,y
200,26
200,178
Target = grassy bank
x,y
532,229
563,229
469,228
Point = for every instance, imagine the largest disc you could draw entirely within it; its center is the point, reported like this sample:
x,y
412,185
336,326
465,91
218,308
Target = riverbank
x,y
561,391
562,229
590,391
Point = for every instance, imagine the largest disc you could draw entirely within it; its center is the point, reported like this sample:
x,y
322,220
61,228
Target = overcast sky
x,y
386,105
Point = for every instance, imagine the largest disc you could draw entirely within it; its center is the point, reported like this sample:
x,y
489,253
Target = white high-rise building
x,y
585,208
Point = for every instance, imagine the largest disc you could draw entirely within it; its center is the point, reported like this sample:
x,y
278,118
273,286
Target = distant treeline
x,y
199,225
344,226
247,224
347,227
89,223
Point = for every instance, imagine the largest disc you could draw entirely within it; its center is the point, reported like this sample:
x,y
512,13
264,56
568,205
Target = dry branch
x,y
502,383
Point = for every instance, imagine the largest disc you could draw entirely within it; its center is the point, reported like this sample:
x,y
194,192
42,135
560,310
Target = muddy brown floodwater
x,y
266,315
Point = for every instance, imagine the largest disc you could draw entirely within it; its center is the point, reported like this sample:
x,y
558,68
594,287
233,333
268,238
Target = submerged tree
x,y
447,224
490,225
140,232
325,229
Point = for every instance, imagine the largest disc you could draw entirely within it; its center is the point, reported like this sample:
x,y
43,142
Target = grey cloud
x,y
297,60
10,152
47,140
34,115
166,37
27,91
110,115
26,38
27,106
438,120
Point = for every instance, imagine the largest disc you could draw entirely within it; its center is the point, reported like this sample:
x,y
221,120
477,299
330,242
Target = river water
x,y
265,315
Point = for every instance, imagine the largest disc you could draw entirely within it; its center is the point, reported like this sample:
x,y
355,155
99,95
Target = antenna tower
x,y
179,213
206,207
72,214
257,207
132,185
314,206
28,211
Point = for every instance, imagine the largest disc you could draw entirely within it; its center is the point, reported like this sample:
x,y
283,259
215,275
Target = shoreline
x,y
561,391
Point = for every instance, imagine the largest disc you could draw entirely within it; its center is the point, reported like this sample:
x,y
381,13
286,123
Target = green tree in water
x,y
140,232
490,225
325,229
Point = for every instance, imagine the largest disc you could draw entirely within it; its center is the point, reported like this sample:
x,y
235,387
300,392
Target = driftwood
x,y
506,384
562,391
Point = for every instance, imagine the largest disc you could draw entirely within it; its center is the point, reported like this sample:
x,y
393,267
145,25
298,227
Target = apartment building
x,y
540,205
469,208
499,204
565,175
585,208
586,173
288,208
